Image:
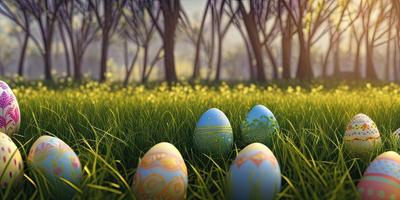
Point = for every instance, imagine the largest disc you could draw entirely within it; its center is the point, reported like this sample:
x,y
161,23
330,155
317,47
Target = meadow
x,y
111,127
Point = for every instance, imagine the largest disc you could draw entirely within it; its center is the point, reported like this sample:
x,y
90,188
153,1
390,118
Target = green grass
x,y
110,128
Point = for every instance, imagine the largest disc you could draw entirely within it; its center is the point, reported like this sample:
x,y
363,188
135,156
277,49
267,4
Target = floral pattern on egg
x,y
10,117
52,157
161,174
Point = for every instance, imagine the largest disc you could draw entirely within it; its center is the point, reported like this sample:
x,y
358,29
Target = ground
x,y
110,128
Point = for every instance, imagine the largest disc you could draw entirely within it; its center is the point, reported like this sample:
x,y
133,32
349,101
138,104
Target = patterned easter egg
x,y
161,174
381,180
11,164
362,135
213,134
255,174
10,116
260,125
54,159
397,133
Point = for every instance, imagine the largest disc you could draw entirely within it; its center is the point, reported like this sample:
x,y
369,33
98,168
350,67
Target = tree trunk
x,y
304,70
66,51
254,38
219,59
336,59
357,67
105,42
47,66
169,45
21,60
145,57
196,66
395,62
286,55
371,73
273,62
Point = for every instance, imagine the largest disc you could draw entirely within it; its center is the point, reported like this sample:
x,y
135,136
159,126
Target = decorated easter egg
x,y
161,174
56,161
396,134
381,180
9,116
362,135
255,174
11,164
213,134
260,125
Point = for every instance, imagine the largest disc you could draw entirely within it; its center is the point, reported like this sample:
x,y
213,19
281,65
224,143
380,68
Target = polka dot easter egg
x,y
361,135
11,164
161,174
10,116
54,159
213,134
396,134
255,174
381,180
260,125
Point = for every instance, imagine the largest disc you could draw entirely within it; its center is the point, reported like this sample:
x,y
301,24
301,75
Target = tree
x,y
15,11
308,18
107,14
77,18
170,10
376,13
287,31
196,65
139,29
44,13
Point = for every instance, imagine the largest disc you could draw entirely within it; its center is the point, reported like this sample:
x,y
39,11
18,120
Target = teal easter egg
x,y
255,174
260,126
11,163
56,161
213,134
161,174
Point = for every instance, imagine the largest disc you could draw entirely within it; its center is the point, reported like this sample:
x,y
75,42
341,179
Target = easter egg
x,y
10,116
255,174
381,179
55,160
161,174
361,135
11,164
396,134
213,134
260,125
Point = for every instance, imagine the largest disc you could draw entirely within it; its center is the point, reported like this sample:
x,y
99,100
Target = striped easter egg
x,y
381,180
213,134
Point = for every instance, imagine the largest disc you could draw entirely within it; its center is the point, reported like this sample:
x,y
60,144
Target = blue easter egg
x,y
55,160
213,134
255,174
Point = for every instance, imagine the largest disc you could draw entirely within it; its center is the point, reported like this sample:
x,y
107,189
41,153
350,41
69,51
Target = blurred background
x,y
208,40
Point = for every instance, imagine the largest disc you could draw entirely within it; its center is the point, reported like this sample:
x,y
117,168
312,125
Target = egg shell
x,y
10,117
161,174
213,134
397,133
260,125
11,163
381,179
362,135
255,174
54,159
